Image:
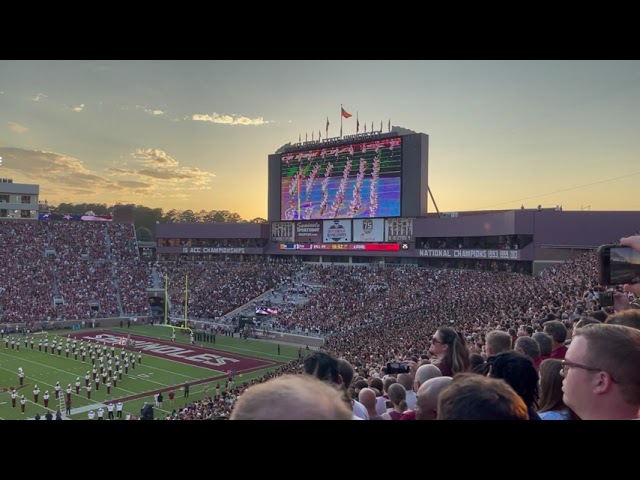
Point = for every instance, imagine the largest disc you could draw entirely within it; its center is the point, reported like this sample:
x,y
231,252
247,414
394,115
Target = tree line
x,y
146,218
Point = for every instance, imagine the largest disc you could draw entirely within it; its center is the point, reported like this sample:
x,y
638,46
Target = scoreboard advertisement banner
x,y
368,230
399,229
282,232
309,232
336,231
367,247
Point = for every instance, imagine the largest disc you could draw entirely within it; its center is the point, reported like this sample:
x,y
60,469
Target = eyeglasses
x,y
567,365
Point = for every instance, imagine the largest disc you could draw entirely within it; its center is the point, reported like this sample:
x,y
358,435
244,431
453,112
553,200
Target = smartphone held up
x,y
618,265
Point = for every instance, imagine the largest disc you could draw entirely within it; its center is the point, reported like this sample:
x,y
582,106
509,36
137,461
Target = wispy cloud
x,y
159,165
17,128
39,96
156,112
228,119
78,108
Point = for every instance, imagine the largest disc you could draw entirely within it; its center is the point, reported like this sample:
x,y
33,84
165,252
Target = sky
x,y
196,134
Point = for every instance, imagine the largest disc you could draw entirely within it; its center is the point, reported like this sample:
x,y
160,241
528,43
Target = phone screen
x,y
624,265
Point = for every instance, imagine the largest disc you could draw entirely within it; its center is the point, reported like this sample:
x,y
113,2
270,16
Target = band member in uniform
x,y
36,393
87,378
14,397
69,390
57,390
97,384
88,387
108,384
119,409
45,398
23,404
20,376
110,408
77,385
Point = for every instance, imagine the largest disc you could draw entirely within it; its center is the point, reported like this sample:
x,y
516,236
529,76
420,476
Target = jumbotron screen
x,y
361,180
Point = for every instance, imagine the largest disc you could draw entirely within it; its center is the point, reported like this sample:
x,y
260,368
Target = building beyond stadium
x,y
362,199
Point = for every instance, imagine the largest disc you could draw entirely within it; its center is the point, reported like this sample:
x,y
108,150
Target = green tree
x,y
144,234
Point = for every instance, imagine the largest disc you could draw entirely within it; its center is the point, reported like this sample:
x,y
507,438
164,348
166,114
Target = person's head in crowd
x,y
476,362
557,331
528,347
474,397
367,397
427,397
387,383
601,374
544,342
358,386
599,315
529,330
519,372
550,405
292,397
424,373
582,321
629,318
450,349
322,365
346,372
377,383
498,341
398,398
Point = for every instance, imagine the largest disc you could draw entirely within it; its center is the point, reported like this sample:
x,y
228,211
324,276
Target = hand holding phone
x,y
618,264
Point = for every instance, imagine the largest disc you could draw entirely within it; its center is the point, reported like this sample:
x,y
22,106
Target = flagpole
x,y
340,120
186,298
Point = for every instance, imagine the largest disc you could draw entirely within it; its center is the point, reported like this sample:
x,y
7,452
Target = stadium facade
x,y
363,199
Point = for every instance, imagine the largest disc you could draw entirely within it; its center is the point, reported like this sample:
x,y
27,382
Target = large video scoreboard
x,y
357,180
364,176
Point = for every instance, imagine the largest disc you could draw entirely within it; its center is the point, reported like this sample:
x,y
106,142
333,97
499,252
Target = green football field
x,y
157,371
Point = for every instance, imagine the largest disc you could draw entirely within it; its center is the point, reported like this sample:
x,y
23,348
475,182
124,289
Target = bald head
x,y
292,397
367,397
426,372
427,397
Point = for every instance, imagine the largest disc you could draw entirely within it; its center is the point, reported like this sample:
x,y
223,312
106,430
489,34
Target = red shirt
x,y
559,352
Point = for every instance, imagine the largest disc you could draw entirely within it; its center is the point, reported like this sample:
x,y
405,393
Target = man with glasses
x,y
601,374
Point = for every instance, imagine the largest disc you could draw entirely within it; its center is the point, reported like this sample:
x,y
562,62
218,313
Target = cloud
x,y
156,112
38,97
154,156
17,128
228,119
159,165
78,108
144,174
